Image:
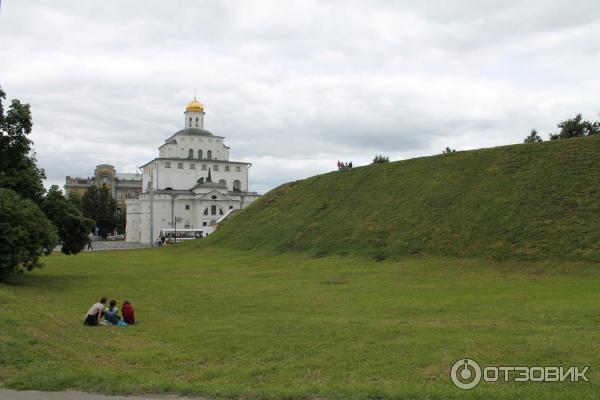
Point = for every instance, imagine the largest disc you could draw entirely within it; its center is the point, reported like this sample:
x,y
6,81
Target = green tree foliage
x,y
73,227
380,159
533,137
121,222
576,127
18,170
25,234
448,150
75,199
98,205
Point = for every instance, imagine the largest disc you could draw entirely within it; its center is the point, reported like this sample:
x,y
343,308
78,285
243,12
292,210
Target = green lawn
x,y
231,323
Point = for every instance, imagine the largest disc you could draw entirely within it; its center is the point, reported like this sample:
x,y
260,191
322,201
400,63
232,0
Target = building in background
x,y
191,185
122,185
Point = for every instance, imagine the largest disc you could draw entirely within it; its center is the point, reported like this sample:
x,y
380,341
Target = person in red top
x,y
128,313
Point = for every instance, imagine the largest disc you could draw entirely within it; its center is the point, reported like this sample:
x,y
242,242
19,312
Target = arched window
x,y
223,182
190,153
196,122
209,154
190,125
199,154
237,185
213,210
220,211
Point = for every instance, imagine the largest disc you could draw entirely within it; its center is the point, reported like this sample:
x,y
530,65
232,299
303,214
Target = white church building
x,y
191,185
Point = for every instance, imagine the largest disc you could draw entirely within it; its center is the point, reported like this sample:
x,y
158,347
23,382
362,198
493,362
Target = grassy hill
x,y
522,201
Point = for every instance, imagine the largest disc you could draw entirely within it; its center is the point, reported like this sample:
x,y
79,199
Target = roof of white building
x,y
129,176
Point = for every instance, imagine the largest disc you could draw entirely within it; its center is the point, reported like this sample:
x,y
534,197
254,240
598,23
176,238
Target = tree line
x,y
569,128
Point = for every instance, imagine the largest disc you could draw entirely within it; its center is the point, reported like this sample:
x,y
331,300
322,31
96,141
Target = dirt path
x,y
6,394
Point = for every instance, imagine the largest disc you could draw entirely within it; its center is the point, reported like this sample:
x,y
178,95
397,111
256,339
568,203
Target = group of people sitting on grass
x,y
99,315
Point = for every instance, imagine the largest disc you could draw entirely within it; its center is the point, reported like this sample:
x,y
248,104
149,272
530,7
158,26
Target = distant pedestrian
x,y
89,242
94,314
350,165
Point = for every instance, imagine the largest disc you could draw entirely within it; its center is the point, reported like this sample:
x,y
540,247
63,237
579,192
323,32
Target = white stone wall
x,y
209,145
133,229
193,119
201,147
167,207
186,177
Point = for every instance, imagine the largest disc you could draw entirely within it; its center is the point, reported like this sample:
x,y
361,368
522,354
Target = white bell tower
x,y
194,115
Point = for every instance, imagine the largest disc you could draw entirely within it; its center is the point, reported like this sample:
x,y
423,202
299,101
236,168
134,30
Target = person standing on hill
x,y
95,313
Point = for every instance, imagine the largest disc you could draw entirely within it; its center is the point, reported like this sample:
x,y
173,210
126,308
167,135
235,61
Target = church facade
x,y
191,185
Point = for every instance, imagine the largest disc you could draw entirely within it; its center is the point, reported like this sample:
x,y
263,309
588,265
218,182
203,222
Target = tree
x,y
380,159
25,234
73,227
448,150
18,169
576,127
75,199
121,222
99,206
533,137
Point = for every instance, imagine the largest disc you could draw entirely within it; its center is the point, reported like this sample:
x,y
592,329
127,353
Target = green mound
x,y
522,201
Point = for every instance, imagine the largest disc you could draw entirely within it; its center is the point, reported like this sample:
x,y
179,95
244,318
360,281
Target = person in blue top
x,y
112,314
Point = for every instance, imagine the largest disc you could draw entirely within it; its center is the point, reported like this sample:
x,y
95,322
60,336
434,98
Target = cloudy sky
x,y
295,85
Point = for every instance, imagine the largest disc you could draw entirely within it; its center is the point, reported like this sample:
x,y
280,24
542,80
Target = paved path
x,y
106,245
6,394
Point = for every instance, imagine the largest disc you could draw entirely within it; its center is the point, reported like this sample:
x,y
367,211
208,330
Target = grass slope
x,y
257,325
523,202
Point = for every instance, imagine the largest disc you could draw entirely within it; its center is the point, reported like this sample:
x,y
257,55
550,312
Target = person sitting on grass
x,y
95,313
112,314
128,312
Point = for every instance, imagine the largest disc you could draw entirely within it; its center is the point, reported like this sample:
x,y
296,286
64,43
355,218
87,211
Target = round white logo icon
x,y
465,373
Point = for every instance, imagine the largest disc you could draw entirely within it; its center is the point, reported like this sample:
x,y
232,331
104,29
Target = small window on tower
x,y
213,210
203,167
187,206
227,168
190,125
190,153
180,165
192,166
199,154
215,167
167,164
209,154
238,169
196,122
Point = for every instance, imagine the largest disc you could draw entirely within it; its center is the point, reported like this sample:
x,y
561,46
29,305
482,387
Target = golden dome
x,y
194,106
